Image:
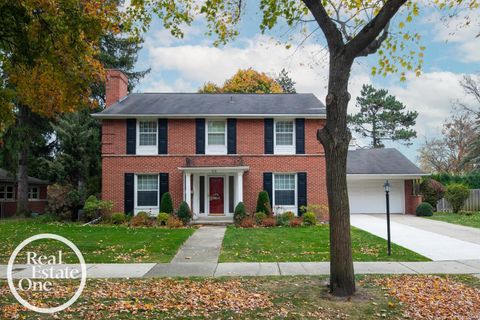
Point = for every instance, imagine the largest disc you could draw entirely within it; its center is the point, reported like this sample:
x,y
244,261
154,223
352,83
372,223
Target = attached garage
x,y
367,172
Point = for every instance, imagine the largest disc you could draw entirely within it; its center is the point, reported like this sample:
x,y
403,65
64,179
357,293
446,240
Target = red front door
x,y
216,195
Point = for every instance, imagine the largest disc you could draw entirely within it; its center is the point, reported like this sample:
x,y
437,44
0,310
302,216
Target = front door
x,y
216,194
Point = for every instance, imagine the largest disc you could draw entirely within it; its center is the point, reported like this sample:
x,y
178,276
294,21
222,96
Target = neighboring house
x,y
215,150
37,194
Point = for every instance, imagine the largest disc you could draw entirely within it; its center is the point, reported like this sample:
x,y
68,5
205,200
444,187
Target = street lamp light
x,y
386,186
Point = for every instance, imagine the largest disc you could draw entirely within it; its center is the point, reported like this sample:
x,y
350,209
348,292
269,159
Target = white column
x,y
187,197
196,194
239,187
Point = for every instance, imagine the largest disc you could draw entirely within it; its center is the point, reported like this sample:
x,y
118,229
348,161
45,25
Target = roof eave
x,y
193,116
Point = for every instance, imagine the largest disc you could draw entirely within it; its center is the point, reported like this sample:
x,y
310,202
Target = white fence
x,y
472,203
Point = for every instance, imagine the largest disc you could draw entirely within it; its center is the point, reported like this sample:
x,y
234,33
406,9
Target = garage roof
x,y
381,161
5,176
201,104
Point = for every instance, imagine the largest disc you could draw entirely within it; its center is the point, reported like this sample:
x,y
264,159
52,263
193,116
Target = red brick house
x,y
37,194
215,150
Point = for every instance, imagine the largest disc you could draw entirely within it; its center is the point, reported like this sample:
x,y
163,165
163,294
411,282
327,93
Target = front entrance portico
x,y
213,190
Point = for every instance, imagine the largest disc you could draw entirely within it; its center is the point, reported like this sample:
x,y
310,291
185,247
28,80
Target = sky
x,y
183,65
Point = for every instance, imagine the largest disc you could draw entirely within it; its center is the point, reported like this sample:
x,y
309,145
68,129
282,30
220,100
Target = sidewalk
x,y
202,246
206,269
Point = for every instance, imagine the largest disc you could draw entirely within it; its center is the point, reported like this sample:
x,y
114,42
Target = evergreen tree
x,y
287,84
382,117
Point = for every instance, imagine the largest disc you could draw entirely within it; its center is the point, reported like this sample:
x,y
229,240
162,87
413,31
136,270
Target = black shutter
x,y
200,136
129,193
163,186
268,185
268,136
300,136
232,136
301,191
162,136
131,136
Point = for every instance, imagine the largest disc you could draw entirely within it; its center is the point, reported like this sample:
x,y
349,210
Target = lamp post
x,y
386,186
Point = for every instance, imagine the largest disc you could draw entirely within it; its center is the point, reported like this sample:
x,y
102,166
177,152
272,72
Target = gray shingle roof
x,y
199,104
380,161
6,176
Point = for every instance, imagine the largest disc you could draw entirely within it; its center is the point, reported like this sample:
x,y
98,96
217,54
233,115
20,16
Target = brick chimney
x,y
116,87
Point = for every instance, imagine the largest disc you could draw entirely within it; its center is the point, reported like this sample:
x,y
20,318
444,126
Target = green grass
x,y
303,244
472,220
98,243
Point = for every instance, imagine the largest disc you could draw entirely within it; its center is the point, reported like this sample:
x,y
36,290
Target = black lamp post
x,y
386,186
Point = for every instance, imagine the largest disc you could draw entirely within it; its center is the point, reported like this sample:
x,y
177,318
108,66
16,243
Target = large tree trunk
x,y
335,138
22,196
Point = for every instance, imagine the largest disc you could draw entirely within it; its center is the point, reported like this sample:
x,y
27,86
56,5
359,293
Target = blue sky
x,y
183,65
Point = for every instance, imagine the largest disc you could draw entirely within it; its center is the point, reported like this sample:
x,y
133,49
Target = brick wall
x,y
411,201
181,145
9,207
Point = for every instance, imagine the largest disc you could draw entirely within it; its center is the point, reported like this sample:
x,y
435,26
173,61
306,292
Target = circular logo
x,y
68,243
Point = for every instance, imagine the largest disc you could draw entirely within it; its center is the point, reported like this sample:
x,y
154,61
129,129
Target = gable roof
x,y
381,161
6,176
184,105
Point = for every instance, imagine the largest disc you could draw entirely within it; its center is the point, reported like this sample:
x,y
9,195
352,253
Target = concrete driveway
x,y
435,240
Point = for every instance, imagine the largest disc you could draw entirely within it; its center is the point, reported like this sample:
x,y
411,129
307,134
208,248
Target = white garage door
x,y
368,196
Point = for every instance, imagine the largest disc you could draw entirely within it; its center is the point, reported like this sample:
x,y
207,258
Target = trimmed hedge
x,y
184,213
263,203
166,204
424,209
240,213
471,180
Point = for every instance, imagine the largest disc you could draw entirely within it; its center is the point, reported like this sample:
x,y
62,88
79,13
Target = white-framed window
x,y
284,137
147,140
7,192
284,189
33,193
216,137
147,190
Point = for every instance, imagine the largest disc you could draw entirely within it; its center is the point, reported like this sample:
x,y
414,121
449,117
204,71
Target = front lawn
x,y
98,243
472,220
303,244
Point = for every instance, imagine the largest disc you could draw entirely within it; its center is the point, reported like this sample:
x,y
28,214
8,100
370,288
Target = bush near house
x,y
319,210
269,222
309,219
263,203
296,222
456,194
285,218
95,208
424,209
142,219
259,217
61,201
247,223
118,218
432,191
239,213
166,204
184,213
162,218
174,222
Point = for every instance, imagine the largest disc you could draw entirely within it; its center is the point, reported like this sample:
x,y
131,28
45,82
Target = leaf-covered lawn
x,y
303,244
98,243
472,220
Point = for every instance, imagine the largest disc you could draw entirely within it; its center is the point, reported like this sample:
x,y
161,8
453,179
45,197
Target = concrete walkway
x,y
206,269
203,246
435,240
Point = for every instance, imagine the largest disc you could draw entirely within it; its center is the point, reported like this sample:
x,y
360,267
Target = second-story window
x,y
148,133
284,137
216,137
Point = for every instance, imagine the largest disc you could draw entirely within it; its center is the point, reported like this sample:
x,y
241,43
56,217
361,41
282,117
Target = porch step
x,y
213,220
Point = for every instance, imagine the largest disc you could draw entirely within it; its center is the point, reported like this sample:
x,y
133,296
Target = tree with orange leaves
x,y
245,81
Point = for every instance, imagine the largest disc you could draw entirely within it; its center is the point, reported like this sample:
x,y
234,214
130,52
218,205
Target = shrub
x,y
319,210
247,223
166,204
456,194
309,219
118,218
269,222
239,213
184,213
263,203
259,217
174,222
62,201
432,191
162,218
142,219
95,208
296,222
285,218
424,209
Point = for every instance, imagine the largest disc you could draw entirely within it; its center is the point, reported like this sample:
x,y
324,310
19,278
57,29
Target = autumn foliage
x,y
245,81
